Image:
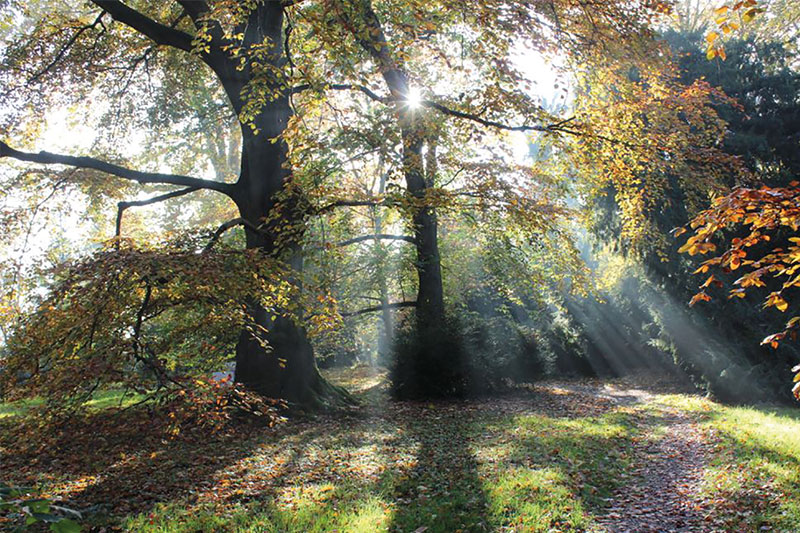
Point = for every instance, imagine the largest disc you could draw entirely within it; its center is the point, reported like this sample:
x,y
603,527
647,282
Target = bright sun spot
x,y
414,98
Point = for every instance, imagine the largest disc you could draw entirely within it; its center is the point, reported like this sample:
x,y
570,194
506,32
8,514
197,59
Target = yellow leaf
x,y
738,293
711,37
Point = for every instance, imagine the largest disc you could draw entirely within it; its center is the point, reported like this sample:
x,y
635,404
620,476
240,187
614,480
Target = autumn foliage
x,y
765,253
155,321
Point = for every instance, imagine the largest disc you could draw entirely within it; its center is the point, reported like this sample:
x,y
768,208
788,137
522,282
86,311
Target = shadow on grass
x,y
443,491
532,462
756,469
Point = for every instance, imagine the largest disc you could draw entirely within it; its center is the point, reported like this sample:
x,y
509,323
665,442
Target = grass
x,y
757,467
101,399
538,462
753,477
445,471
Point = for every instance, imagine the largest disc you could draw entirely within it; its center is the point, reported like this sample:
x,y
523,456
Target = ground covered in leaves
x,y
554,456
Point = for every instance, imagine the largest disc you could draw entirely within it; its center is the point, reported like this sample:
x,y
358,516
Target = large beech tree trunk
x,y
278,363
430,297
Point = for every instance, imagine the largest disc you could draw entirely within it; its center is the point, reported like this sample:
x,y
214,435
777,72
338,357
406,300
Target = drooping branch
x,y
381,236
47,158
375,309
228,226
122,206
156,31
137,328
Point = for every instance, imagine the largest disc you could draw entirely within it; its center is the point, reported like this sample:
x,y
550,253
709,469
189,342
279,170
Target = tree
x,y
487,35
243,46
753,224
281,65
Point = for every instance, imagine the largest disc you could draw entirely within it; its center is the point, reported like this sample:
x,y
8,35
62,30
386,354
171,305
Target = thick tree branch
x,y
382,236
122,206
47,158
194,8
375,309
156,31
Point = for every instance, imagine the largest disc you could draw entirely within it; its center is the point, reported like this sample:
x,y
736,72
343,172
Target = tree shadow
x,y
110,465
442,492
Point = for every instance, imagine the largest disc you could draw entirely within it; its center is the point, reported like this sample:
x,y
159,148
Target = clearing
x,y
589,455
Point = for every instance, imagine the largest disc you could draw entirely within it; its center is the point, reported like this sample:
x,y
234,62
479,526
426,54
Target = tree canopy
x,y
282,169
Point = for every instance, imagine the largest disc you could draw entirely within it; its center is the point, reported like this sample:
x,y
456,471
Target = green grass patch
x,y
343,509
101,399
755,474
18,408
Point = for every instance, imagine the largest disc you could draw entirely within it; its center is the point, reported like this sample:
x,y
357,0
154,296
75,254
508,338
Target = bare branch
x,y
350,203
381,236
558,127
47,158
230,225
343,87
122,206
66,47
375,309
156,31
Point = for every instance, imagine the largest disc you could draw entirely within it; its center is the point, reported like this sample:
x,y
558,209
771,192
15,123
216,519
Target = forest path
x,y
669,460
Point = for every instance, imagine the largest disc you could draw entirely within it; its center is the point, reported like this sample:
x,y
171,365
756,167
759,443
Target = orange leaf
x,y
701,296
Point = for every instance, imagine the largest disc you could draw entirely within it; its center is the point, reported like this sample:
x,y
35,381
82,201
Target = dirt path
x,y
658,495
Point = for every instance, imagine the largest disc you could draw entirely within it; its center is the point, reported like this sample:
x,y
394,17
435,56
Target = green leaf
x,y
38,505
65,526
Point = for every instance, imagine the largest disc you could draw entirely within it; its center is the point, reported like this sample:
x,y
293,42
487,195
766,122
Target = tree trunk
x,y
433,366
278,363
386,330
